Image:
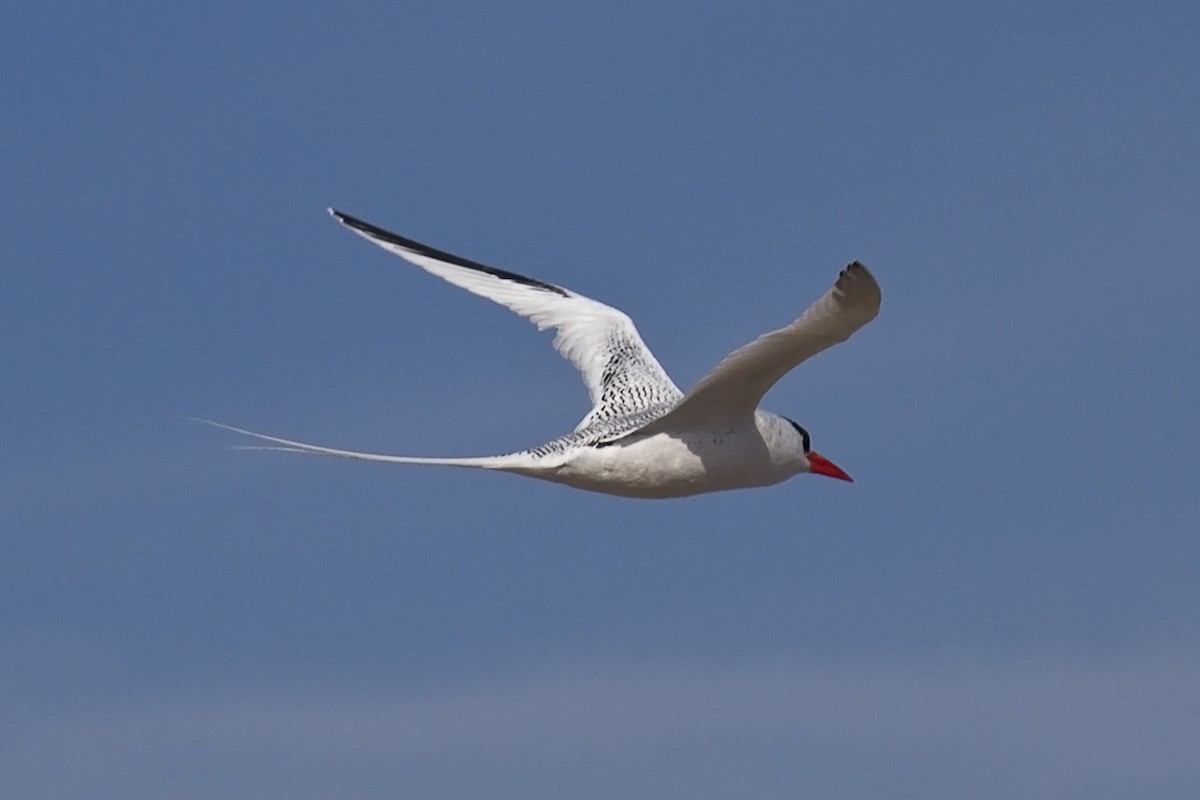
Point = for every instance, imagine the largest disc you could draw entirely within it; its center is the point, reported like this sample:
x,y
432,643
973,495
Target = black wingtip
x,y
412,245
382,234
856,267
366,227
372,230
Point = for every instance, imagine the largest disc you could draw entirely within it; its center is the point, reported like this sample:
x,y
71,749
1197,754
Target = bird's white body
x,y
644,437
679,464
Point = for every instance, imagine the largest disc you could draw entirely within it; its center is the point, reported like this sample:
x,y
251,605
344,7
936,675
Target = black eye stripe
x,y
803,434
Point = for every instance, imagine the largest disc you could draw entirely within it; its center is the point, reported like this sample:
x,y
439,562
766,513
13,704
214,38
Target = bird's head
x,y
813,461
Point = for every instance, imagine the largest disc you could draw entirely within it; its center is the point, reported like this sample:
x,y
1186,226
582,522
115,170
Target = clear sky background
x,y
1006,603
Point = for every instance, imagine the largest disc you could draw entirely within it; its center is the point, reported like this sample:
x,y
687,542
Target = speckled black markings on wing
x,y
631,388
441,255
629,385
603,432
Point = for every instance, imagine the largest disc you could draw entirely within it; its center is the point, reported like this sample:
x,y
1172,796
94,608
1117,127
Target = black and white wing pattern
x,y
732,389
621,374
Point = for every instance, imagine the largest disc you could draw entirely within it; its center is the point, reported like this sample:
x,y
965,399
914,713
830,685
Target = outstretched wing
x,y
733,389
621,374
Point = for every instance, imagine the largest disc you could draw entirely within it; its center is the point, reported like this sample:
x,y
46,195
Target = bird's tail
x,y
514,461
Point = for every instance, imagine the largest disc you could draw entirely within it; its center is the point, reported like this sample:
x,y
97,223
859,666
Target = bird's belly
x,y
667,466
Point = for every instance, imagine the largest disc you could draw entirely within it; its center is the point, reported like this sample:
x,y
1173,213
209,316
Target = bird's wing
x,y
732,390
621,374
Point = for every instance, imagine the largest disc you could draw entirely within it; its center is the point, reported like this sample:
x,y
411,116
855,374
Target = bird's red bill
x,y
823,466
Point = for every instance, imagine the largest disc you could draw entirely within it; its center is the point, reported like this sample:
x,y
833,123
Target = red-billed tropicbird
x,y
644,437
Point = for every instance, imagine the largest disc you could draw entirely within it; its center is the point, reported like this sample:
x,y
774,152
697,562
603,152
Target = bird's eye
x,y
804,437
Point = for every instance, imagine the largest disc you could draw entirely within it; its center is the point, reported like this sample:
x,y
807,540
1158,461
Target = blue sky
x,y
1004,604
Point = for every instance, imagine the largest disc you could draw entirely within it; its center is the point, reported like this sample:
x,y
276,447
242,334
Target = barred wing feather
x,y
621,374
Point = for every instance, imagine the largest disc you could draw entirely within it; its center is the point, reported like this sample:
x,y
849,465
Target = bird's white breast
x,y
665,465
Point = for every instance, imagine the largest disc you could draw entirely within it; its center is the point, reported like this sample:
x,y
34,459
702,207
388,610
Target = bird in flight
x,y
644,437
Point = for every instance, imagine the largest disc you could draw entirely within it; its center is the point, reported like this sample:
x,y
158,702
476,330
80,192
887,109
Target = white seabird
x,y
643,436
